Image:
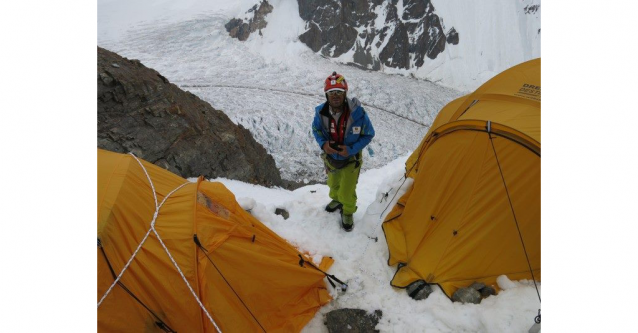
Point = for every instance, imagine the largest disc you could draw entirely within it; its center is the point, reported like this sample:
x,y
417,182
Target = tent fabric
x,y
476,177
248,278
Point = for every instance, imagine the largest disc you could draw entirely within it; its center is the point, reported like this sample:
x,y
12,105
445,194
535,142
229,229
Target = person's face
x,y
336,98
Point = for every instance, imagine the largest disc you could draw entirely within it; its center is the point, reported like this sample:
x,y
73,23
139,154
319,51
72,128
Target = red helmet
x,y
335,82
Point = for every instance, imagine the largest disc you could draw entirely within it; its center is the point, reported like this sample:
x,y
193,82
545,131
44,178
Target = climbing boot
x,y
347,222
333,205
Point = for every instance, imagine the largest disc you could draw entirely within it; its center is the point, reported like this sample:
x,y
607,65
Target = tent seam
x,y
197,284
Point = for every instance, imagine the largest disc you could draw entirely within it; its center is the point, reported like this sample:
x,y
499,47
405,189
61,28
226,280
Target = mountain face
x,y
397,34
371,33
140,111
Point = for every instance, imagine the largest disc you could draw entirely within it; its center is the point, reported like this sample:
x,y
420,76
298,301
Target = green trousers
x,y
343,185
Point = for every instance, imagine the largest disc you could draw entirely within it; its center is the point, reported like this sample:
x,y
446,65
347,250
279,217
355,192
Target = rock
x,y
396,52
115,65
484,290
477,286
337,27
139,111
467,295
352,320
242,28
282,212
487,291
419,290
531,9
452,37
238,29
312,37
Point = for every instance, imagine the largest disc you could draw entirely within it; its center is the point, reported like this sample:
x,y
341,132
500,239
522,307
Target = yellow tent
x,y
243,277
473,211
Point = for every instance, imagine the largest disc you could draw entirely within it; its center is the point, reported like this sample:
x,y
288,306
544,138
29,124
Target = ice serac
x,y
140,111
374,33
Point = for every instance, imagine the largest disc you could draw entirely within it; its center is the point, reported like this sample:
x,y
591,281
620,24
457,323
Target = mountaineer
x,y
342,129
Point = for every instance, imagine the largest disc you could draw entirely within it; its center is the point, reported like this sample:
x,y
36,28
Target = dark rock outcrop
x,y
140,111
377,32
452,37
337,27
242,28
352,321
531,9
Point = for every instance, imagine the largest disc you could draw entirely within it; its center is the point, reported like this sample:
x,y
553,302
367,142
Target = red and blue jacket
x,y
358,128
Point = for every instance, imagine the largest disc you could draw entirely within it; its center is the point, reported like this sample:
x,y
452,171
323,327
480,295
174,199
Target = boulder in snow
x,y
467,295
242,28
487,291
282,212
484,290
452,37
419,290
352,320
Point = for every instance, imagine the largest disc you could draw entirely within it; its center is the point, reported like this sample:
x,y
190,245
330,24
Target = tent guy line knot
x,y
152,228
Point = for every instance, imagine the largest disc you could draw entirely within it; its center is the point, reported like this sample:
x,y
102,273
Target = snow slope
x,y
271,84
494,36
361,261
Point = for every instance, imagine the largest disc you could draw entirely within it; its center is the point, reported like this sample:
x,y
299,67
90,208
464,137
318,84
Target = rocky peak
x,y
140,111
376,31
255,19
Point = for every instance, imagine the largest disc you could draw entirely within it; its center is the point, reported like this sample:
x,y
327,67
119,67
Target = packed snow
x,y
361,258
271,83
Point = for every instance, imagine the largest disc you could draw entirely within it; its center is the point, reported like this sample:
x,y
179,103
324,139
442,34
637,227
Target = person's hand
x,y
344,151
328,149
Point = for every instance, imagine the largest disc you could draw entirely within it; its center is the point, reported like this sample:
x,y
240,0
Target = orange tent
x,y
243,277
473,212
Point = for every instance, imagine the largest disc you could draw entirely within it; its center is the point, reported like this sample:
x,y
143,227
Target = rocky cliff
x,y
370,34
379,33
140,111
